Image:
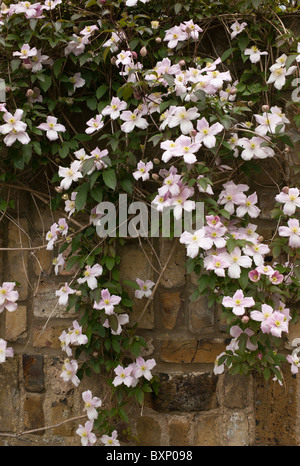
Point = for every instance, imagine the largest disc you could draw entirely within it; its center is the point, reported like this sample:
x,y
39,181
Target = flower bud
x,y
78,293
250,103
245,319
193,133
285,189
143,51
265,108
156,161
30,93
65,197
134,54
113,60
58,189
182,62
155,176
75,29
158,40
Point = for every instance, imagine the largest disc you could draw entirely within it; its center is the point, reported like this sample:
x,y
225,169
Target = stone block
x,y
61,412
186,392
33,412
148,431
33,372
9,395
206,430
47,337
175,273
191,351
133,265
276,413
170,307
179,431
201,317
236,429
16,323
236,391
45,303
18,259
41,258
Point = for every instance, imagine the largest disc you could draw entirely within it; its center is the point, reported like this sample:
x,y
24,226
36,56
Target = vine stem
x,y
157,283
32,431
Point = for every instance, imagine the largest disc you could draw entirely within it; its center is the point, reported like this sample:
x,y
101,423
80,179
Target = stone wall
x,y
193,407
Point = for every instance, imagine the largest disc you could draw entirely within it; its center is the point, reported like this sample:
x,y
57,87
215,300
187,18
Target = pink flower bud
x,y
245,319
265,108
182,62
134,54
285,190
158,40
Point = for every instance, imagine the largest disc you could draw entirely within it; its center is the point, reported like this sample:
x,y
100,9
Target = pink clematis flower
x,y
236,261
110,440
143,170
238,302
132,120
143,368
76,335
4,351
123,376
14,128
90,275
88,438
186,148
292,231
254,54
182,202
108,302
263,316
70,174
291,200
145,288
25,52
207,134
52,128
94,124
247,206
218,264
114,108
237,28
69,371
254,275
293,359
8,297
195,241
64,293
183,118
90,404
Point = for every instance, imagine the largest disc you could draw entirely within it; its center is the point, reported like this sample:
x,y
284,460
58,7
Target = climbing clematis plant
x,y
115,97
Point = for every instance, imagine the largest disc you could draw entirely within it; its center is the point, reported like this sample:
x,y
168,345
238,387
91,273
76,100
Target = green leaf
x,y
81,196
46,83
109,178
